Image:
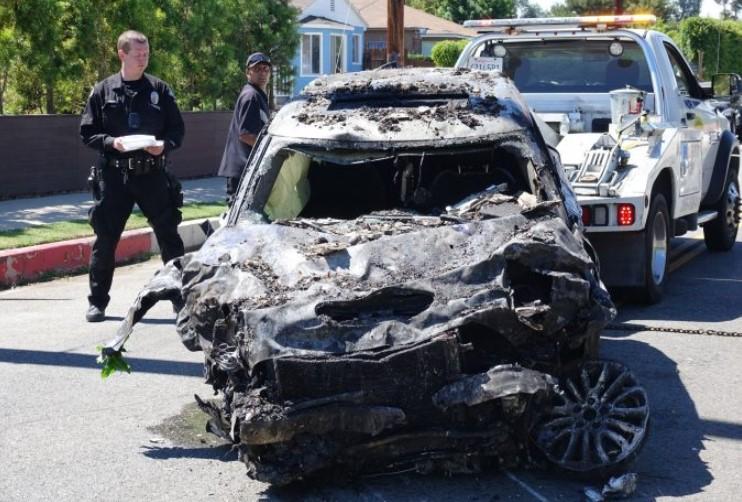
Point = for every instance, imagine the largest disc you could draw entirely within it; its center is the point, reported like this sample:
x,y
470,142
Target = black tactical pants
x,y
114,200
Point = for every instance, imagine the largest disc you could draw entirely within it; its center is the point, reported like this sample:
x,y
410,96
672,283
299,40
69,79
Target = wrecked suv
x,y
403,281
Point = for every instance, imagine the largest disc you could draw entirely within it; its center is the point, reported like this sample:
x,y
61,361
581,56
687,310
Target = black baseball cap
x,y
257,58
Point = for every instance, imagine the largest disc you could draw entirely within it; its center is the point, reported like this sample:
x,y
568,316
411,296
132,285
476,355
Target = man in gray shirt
x,y
251,113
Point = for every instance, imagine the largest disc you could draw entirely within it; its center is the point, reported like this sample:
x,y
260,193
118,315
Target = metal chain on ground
x,y
666,329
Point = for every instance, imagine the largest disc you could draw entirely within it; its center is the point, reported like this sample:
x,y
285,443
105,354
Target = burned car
x,y
403,282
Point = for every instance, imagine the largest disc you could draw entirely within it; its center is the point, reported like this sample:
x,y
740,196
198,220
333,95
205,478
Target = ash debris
x,y
388,119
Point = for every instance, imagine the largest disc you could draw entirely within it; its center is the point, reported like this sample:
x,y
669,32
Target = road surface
x,y
67,435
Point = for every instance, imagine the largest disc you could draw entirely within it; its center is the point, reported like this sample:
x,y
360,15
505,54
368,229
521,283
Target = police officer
x,y
127,103
251,113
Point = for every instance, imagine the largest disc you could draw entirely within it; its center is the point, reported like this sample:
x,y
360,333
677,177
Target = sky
x,y
709,8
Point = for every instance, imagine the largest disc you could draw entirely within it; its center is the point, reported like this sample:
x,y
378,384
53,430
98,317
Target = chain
x,y
666,329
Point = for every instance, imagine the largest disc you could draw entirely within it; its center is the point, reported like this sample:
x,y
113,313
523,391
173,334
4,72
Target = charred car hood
x,y
345,286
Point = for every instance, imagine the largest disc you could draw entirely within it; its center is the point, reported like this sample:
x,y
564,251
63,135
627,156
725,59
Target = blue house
x,y
332,35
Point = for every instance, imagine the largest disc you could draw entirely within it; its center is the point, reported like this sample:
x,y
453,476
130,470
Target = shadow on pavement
x,y
714,278
223,453
670,463
18,356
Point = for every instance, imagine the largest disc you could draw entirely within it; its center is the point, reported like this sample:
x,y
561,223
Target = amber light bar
x,y
581,21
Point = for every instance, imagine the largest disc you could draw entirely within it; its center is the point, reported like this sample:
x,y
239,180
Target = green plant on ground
x,y
111,362
65,230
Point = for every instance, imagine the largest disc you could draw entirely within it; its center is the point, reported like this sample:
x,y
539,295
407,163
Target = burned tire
x,y
656,250
598,421
721,233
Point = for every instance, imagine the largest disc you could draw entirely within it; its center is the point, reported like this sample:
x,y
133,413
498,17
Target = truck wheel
x,y
657,246
721,232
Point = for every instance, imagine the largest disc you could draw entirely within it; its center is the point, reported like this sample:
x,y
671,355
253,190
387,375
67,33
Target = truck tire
x,y
721,232
657,248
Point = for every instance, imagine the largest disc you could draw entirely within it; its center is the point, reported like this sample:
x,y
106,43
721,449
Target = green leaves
x,y
461,10
52,51
111,361
446,52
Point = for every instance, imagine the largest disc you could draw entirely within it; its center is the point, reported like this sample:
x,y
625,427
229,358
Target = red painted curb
x,y
25,264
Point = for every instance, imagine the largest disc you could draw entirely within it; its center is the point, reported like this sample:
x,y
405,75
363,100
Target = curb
x,y
23,265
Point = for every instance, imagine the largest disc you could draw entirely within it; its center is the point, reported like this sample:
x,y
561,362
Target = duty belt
x,y
137,165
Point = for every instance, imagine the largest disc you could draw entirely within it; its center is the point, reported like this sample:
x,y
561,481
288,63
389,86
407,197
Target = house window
x,y
356,49
376,44
311,44
337,54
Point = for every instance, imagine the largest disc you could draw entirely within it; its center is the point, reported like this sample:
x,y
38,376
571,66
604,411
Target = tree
x,y
663,9
688,8
53,51
528,9
9,48
459,11
730,8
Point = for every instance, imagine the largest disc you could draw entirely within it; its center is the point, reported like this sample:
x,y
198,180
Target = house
x,y
350,35
331,40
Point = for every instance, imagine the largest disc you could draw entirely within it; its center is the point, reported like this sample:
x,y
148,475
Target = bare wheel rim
x,y
599,419
732,206
659,247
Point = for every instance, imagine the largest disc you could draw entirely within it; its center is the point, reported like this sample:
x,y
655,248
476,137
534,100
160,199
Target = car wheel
x,y
656,246
721,232
598,421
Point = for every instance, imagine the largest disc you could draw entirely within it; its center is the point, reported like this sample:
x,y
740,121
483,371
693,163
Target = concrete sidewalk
x,y
23,265
22,213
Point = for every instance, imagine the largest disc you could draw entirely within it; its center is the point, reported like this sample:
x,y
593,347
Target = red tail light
x,y
585,215
626,214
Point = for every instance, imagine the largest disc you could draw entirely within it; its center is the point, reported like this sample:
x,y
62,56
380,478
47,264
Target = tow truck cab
x,y
645,148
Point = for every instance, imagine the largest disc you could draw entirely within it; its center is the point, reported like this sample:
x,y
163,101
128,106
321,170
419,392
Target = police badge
x,y
154,97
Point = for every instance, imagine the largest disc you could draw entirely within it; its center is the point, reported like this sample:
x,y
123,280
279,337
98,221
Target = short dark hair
x,y
129,36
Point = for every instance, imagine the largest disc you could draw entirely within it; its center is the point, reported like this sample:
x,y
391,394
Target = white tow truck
x,y
645,149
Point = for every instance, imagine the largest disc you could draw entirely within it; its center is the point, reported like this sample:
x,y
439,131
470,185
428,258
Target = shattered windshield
x,y
556,66
308,182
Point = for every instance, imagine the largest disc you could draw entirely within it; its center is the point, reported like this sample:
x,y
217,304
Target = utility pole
x,y
395,32
618,7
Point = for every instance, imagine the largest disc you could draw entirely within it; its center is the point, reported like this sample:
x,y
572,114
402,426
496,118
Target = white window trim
x,y
344,58
301,55
357,38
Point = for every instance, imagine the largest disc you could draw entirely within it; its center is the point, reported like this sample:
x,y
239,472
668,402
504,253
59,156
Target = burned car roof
x,y
405,105
357,266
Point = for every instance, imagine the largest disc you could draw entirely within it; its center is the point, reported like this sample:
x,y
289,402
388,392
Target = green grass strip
x,y
65,230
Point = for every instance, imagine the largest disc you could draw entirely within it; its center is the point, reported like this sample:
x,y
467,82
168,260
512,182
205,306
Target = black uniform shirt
x,y
118,108
251,113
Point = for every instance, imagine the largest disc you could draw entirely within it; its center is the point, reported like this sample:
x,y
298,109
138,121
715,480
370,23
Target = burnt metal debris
x,y
384,298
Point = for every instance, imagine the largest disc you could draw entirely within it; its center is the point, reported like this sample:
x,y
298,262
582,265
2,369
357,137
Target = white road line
x,y
527,488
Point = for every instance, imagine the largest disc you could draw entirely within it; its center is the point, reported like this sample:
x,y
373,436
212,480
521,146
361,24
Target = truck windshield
x,y
573,66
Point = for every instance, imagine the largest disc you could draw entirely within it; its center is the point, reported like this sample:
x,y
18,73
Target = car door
x,y
703,126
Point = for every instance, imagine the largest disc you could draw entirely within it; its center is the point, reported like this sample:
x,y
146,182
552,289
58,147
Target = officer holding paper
x,y
133,121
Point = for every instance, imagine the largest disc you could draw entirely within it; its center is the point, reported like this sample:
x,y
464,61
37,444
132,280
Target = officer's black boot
x,y
95,314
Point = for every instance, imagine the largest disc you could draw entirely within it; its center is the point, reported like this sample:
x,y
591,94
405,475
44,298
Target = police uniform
x,y
118,108
251,113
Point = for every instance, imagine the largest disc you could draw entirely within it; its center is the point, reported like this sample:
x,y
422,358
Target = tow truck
x,y
645,147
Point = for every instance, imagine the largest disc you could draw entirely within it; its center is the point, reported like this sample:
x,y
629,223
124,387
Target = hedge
x,y
720,41
446,52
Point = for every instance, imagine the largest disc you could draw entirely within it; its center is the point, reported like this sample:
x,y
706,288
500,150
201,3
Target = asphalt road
x,y
67,435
